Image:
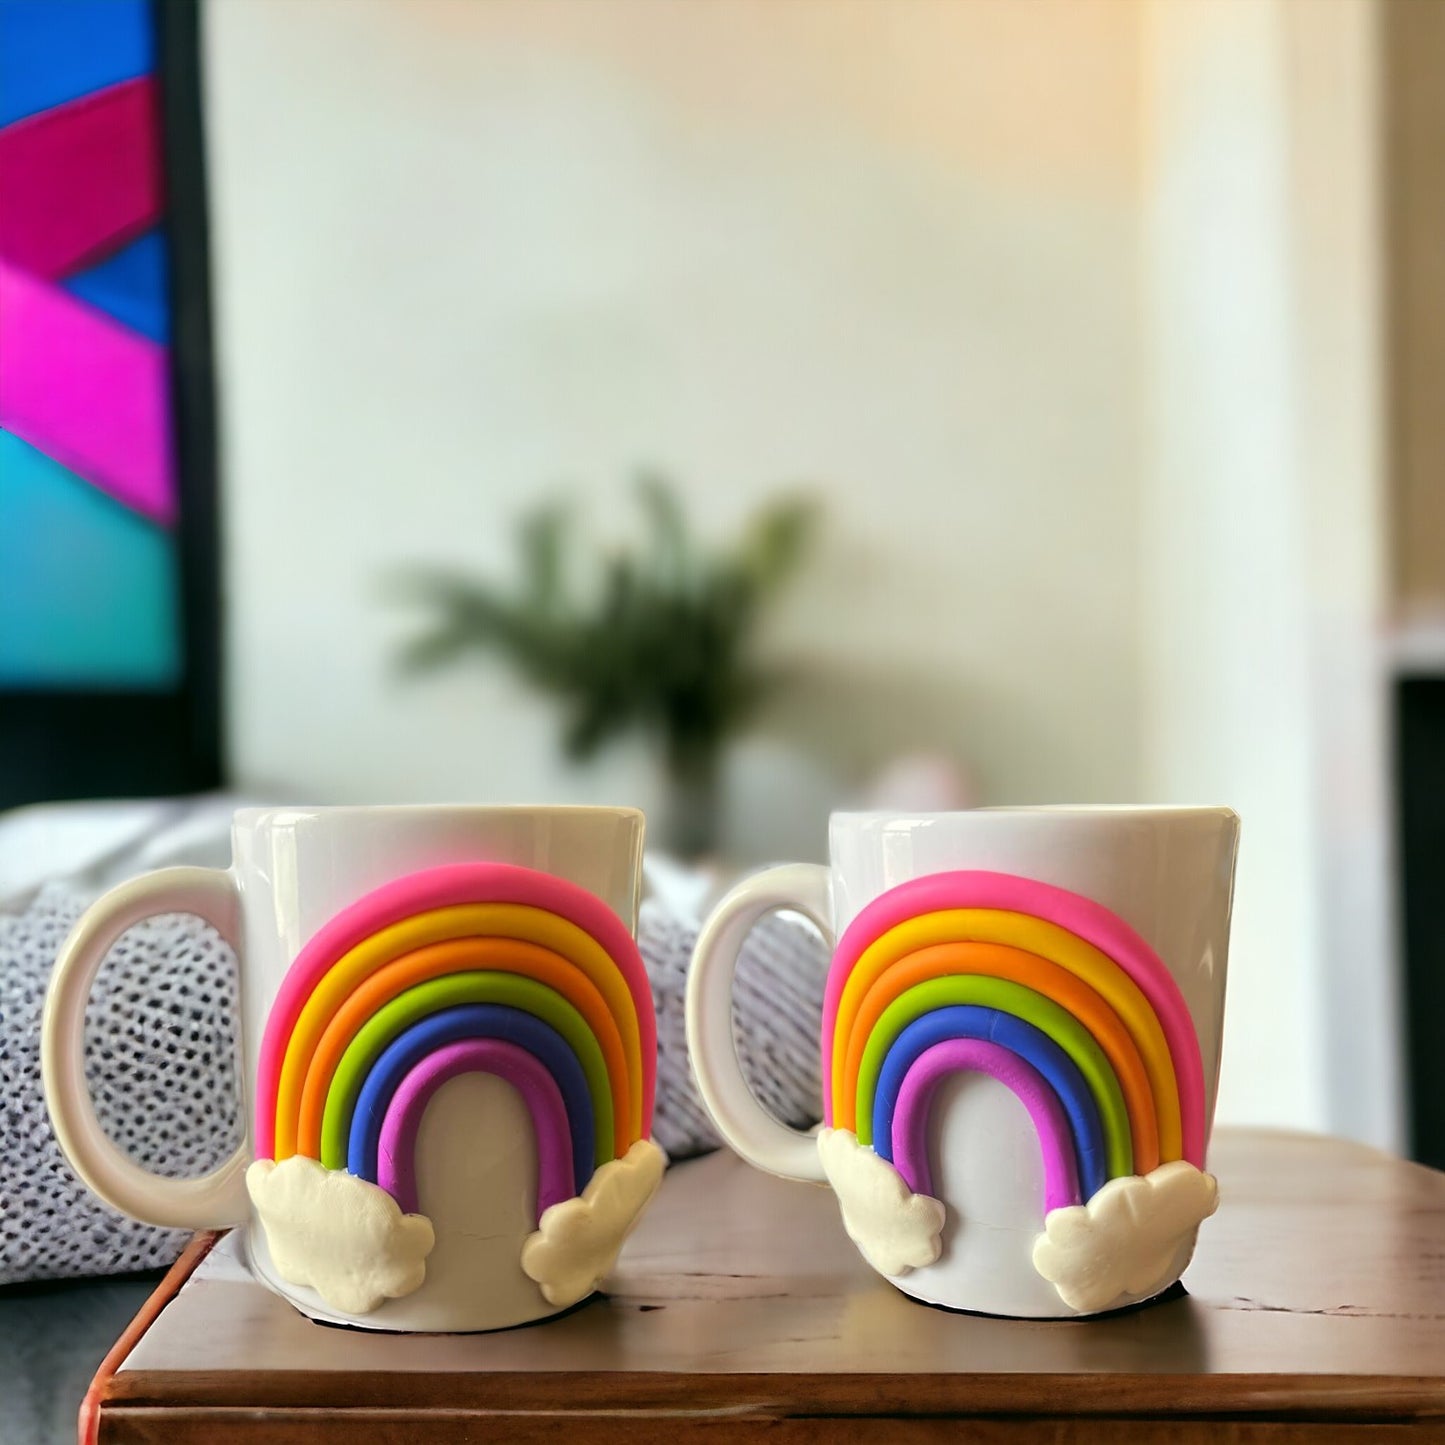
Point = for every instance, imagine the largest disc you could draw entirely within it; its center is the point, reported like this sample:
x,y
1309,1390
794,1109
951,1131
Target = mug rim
x,y
286,812
1100,810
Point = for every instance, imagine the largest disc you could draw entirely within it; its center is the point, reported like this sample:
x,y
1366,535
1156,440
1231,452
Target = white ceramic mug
x,y
1021,1041
448,1054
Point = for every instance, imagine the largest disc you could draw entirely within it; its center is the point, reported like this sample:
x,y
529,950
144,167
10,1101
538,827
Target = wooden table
x,y
1316,1310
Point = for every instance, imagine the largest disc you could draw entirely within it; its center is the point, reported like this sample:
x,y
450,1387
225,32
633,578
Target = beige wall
x,y
1264,528
466,252
1068,306
1226,683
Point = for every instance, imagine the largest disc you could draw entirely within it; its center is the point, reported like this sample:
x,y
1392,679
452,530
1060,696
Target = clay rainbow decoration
x,y
1065,1004
473,967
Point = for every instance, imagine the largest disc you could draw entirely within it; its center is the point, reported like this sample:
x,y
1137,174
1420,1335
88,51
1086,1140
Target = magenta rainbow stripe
x,y
397,1151
928,1071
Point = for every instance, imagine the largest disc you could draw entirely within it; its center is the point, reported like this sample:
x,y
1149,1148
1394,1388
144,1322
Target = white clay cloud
x,y
1134,1238
343,1237
896,1229
577,1241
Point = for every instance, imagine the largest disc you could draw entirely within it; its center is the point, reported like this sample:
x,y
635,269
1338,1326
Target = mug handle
x,y
213,1201
749,1128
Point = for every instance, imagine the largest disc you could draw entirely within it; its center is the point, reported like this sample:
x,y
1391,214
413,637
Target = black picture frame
x,y
1419,708
65,744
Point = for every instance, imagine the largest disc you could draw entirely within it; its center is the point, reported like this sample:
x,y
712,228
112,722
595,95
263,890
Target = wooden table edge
x,y
1360,1398
102,1383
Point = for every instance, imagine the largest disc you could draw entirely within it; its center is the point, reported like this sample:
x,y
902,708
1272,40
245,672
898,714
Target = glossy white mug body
x,y
1166,872
294,869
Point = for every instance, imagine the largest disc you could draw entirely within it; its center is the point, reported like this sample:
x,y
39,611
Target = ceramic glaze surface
x,y
1167,872
298,868
482,1202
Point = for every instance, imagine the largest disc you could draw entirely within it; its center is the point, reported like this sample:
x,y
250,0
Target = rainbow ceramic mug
x,y
449,1055
1020,1046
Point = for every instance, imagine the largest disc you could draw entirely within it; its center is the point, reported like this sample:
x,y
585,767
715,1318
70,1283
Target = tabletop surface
x,y
1318,1290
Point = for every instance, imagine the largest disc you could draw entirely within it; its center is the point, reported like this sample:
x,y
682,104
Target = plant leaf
x,y
663,642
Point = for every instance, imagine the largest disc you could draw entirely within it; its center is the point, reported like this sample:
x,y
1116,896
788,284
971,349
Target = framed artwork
x,y
108,591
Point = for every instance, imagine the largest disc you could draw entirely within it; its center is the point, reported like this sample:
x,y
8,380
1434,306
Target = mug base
x,y
447,1304
364,1329
1165,1296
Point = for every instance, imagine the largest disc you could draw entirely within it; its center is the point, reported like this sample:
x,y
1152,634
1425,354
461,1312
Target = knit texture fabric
x,y
777,1017
161,1049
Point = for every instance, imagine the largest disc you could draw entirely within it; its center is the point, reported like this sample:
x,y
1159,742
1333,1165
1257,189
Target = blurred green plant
x,y
662,641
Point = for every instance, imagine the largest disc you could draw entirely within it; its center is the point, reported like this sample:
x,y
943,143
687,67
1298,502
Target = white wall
x,y
1067,306
467,252
1263,529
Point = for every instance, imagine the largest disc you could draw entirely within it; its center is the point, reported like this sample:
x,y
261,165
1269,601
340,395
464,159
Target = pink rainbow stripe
x,y
450,886
81,179
1081,916
86,391
928,1071
396,1152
